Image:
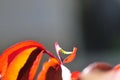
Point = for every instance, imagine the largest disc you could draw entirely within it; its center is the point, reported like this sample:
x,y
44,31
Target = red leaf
x,y
75,75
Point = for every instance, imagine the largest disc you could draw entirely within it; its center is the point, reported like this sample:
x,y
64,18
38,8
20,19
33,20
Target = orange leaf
x,y
35,66
19,58
51,70
71,56
117,67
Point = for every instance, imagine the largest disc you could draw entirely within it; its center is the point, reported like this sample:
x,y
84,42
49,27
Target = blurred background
x,y
91,25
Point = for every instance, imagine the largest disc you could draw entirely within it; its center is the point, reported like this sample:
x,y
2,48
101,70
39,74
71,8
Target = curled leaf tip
x,y
59,49
71,56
